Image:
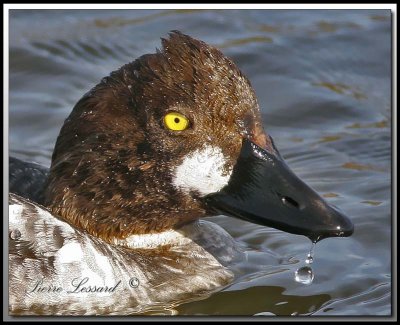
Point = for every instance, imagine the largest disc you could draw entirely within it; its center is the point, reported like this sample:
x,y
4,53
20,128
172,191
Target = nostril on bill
x,y
289,201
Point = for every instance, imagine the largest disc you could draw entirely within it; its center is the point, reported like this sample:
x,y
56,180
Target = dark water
x,y
323,82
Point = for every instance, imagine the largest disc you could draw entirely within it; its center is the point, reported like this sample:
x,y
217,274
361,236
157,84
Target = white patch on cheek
x,y
202,171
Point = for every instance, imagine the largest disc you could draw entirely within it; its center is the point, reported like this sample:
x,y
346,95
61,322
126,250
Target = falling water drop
x,y
309,259
310,255
305,274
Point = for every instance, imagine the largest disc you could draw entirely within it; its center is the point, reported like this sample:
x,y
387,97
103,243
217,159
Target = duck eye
x,y
175,121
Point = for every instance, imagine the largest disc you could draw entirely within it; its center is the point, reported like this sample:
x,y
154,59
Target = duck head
x,y
172,137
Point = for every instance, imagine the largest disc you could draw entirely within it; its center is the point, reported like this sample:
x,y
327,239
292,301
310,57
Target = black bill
x,y
263,190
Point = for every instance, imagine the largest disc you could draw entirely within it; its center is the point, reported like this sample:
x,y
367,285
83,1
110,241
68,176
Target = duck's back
x,y
27,179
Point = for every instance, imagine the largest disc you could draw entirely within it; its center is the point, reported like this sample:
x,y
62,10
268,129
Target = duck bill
x,y
263,190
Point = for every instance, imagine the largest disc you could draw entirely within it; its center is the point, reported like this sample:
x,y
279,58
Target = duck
x,y
116,225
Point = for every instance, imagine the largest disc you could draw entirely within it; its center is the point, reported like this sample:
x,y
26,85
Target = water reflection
x,y
271,299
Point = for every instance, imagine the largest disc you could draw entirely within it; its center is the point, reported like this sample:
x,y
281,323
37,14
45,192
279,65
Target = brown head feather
x,y
112,167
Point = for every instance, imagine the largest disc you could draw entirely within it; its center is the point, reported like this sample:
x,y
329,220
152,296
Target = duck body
x,y
56,269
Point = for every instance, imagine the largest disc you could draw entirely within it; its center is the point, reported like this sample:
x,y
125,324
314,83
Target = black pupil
x,y
176,120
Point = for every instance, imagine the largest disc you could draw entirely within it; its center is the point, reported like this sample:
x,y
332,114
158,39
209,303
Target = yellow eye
x,y
176,122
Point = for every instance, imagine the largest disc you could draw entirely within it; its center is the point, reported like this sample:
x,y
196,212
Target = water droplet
x,y
310,256
15,234
309,259
304,275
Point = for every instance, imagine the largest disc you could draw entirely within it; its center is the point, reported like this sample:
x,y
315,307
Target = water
x,y
323,82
